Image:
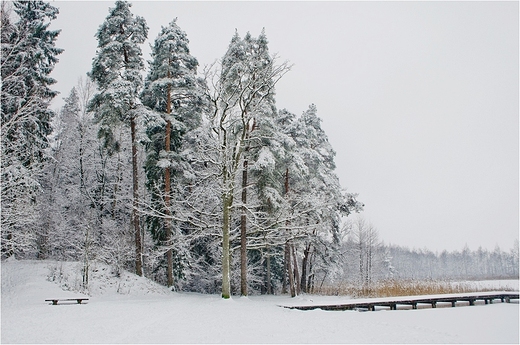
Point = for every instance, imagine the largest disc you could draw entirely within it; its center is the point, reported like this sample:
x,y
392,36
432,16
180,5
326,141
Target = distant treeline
x,y
367,260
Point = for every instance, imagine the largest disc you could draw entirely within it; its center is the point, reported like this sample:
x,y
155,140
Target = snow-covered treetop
x,y
34,45
118,64
119,39
172,69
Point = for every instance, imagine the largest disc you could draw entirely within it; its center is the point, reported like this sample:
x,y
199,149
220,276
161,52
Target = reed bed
x,y
392,288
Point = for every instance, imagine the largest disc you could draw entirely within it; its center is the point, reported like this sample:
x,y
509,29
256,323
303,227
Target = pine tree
x,y
28,57
117,69
271,171
289,162
313,201
329,202
171,89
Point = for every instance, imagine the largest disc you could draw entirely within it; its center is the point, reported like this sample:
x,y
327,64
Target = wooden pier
x,y
430,300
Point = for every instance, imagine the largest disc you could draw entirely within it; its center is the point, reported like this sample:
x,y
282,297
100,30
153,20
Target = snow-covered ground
x,y
134,310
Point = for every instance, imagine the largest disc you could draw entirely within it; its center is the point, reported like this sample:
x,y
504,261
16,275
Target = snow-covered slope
x,y
131,309
102,280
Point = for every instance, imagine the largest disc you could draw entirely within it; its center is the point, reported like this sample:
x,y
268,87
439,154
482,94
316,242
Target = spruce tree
x,y
117,69
28,57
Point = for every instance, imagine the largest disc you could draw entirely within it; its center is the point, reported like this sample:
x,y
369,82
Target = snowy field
x,y
143,312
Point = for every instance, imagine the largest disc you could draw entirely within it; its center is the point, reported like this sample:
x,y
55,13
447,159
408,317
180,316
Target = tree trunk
x,y
243,216
243,231
119,178
81,168
369,265
285,270
167,188
86,262
10,247
286,181
135,215
268,263
287,253
310,282
42,242
360,247
305,260
226,284
296,273
290,272
287,256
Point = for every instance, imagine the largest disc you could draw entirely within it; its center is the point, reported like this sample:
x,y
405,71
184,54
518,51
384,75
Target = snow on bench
x,y
55,300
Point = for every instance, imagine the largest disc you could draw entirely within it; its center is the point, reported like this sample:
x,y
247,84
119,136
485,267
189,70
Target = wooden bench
x,y
55,300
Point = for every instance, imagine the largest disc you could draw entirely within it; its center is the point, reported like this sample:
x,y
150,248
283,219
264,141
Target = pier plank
x,y
432,300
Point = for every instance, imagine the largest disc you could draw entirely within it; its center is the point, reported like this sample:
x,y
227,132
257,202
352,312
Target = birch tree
x,y
256,53
236,88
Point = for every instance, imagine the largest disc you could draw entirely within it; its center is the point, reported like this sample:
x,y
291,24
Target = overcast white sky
x,y
420,100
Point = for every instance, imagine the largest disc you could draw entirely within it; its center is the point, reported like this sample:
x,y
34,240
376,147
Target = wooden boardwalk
x,y
431,300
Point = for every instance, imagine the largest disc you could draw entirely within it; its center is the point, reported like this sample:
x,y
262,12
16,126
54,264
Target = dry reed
x,y
392,288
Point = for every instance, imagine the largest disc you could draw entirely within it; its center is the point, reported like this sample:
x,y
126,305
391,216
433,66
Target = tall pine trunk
x,y
285,270
287,254
296,273
167,184
119,178
289,269
135,215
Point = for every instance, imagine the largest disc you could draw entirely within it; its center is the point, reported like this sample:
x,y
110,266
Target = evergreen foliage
x,y
240,197
117,66
173,91
117,69
28,57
